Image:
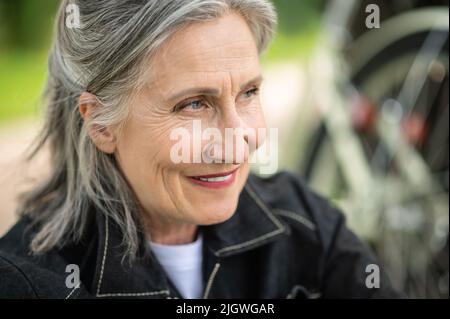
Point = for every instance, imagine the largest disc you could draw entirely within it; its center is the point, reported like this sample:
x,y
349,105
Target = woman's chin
x,y
214,213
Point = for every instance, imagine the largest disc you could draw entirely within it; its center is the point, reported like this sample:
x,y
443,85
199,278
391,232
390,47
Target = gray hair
x,y
103,57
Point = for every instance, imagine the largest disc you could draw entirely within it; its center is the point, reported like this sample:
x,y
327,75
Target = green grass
x,y
292,46
22,78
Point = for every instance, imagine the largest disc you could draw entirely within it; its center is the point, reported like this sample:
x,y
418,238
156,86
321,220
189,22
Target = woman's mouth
x,y
218,180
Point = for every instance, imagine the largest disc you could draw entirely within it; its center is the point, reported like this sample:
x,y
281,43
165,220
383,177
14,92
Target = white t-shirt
x,y
183,265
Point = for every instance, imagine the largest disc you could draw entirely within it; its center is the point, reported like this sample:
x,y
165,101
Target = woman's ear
x,y
101,136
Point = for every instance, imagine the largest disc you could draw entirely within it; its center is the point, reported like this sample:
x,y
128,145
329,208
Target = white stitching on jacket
x,y
147,293
104,255
309,295
210,280
302,220
250,242
263,207
123,294
255,240
71,292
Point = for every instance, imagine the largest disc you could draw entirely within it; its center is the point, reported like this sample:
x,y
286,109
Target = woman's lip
x,y
215,184
216,175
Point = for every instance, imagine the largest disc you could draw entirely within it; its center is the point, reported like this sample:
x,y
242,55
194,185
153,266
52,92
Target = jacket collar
x,y
252,225
116,277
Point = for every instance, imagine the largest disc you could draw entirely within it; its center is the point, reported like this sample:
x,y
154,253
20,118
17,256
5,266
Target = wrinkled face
x,y
210,72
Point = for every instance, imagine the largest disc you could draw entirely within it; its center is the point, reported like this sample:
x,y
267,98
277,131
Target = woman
x,y
118,217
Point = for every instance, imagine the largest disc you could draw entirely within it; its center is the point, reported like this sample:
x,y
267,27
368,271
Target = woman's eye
x,y
195,105
251,92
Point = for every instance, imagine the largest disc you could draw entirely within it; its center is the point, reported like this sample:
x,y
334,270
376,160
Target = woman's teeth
x,y
215,179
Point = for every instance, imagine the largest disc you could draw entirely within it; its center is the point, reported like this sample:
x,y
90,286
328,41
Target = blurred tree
x,y
26,24
297,16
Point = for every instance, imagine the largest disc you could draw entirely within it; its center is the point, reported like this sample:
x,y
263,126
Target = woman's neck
x,y
166,232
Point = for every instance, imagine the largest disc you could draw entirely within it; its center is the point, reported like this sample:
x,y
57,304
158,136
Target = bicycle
x,y
383,136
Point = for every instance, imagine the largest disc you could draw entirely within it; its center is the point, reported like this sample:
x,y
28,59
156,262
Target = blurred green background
x,y
25,32
25,35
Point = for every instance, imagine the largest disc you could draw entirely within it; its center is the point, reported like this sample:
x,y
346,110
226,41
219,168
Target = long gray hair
x,y
103,57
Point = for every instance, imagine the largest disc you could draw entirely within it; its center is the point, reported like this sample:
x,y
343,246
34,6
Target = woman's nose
x,y
235,140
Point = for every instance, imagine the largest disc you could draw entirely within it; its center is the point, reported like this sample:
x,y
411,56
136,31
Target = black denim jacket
x,y
283,241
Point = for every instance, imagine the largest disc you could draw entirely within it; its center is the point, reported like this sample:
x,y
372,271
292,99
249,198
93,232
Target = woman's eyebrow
x,y
255,81
212,91
194,91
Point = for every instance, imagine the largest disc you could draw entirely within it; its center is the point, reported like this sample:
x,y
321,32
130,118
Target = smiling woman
x,y
131,220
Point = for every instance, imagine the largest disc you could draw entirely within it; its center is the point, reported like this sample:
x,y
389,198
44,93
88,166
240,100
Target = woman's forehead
x,y
225,41
208,50
230,32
